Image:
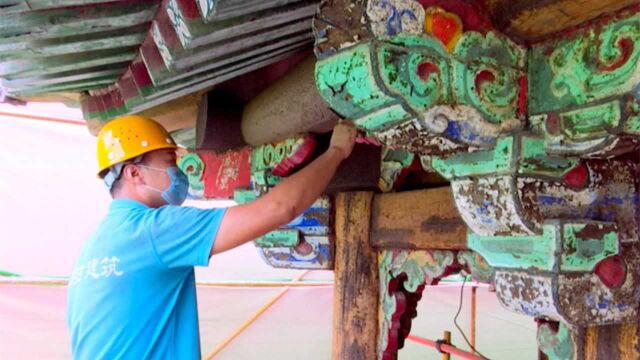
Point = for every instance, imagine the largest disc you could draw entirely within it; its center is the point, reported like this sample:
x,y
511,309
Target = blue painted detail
x,y
636,92
394,22
550,200
528,308
462,131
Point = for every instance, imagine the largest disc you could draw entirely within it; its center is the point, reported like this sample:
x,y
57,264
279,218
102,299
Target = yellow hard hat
x,y
128,137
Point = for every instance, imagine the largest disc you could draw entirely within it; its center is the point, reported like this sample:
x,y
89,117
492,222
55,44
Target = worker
x,y
132,293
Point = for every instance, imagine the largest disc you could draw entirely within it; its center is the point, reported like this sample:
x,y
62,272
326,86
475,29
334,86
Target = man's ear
x,y
132,174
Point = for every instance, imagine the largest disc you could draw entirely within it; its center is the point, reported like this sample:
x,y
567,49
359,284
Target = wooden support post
x,y
473,315
355,305
447,339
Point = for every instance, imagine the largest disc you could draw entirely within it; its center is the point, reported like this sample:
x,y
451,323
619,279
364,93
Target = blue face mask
x,y
177,191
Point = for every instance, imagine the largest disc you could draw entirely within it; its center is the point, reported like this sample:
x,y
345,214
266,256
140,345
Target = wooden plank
x,y
282,34
155,96
21,6
66,77
227,9
355,300
422,219
56,64
195,32
66,22
42,48
95,83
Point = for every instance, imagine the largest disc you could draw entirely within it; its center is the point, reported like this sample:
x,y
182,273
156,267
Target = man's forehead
x,y
163,153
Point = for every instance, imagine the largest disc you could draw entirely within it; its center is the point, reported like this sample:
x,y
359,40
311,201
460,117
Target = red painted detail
x,y
472,15
151,54
612,271
552,124
368,140
108,101
301,155
482,77
425,70
445,27
578,177
140,73
223,173
189,9
128,87
523,95
626,49
445,348
118,100
395,291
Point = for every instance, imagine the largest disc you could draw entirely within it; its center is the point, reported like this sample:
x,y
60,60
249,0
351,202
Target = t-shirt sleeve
x,y
184,236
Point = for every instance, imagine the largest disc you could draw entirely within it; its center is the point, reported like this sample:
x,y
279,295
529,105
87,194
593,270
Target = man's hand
x,y
343,138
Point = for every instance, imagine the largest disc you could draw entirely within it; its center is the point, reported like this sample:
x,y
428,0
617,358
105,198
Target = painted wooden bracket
x,y
403,276
538,141
556,341
244,175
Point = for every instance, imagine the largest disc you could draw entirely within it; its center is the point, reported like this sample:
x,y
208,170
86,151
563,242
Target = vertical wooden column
x,y
613,342
355,301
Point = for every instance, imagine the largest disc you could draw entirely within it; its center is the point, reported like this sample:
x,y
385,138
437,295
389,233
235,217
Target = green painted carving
x,y
420,267
495,161
590,122
479,268
346,81
632,126
422,89
244,196
531,159
384,117
593,65
410,74
393,162
279,238
556,345
192,165
527,252
486,74
584,245
560,247
537,161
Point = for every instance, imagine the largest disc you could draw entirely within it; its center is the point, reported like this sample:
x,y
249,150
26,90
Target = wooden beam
x,y
532,20
422,219
355,304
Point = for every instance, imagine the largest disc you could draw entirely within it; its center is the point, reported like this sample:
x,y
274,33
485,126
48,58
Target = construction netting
x,y
51,201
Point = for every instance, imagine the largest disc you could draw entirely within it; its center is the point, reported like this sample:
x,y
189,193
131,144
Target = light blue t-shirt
x,y
132,293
